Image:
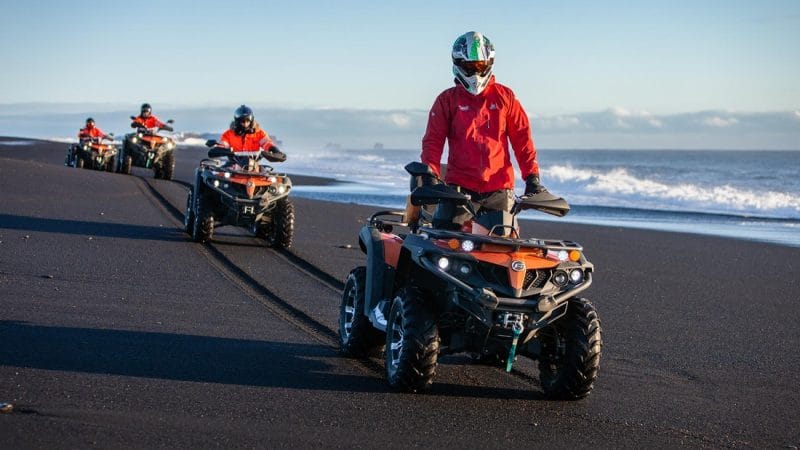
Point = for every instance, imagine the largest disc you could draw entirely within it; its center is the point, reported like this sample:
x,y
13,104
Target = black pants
x,y
449,216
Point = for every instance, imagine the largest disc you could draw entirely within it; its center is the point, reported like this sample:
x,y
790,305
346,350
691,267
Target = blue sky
x,y
567,61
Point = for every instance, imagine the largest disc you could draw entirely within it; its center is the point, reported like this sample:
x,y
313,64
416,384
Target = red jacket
x,y
477,129
150,122
257,140
88,133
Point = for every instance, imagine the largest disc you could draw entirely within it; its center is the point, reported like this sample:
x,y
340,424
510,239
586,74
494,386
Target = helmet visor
x,y
471,68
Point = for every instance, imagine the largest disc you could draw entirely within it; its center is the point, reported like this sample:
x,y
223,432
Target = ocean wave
x,y
619,185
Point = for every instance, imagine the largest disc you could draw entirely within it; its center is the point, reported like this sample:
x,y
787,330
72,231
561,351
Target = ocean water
x,y
751,195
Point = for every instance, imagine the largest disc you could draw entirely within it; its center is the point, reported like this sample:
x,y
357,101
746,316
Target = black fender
x,y
380,276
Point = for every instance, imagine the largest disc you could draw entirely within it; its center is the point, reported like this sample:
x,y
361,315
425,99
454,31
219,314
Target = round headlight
x,y
576,276
563,255
227,175
467,245
216,183
281,189
443,263
272,179
134,139
465,269
560,278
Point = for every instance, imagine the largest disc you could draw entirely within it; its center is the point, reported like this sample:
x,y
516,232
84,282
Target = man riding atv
x,y
146,148
246,135
235,188
478,117
90,132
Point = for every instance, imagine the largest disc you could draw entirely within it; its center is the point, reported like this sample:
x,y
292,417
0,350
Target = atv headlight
x,y
227,175
576,276
134,139
272,179
281,189
560,278
443,263
563,255
467,245
465,269
215,183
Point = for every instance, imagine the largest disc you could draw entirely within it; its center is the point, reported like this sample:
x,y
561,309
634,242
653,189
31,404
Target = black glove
x,y
274,155
532,185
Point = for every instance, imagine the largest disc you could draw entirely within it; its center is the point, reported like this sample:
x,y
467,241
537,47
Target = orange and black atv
x,y
237,189
480,289
146,148
92,153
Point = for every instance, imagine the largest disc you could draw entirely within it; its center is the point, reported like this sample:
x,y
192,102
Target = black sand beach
x,y
116,330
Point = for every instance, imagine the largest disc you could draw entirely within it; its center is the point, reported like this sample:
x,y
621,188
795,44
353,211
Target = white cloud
x,y
400,120
720,122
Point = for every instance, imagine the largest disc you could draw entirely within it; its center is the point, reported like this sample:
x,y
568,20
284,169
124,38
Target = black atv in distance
x,y
480,289
146,148
240,191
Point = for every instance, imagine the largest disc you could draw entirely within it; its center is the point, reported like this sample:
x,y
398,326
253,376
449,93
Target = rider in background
x,y
245,135
146,119
478,117
89,132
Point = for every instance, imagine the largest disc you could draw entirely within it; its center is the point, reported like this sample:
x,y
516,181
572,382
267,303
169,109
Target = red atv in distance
x,y
234,188
146,148
92,153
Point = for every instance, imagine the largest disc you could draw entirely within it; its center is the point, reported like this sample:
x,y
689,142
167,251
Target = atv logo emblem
x,y
517,265
250,187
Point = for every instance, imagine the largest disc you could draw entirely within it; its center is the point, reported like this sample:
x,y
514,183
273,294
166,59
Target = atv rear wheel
x,y
357,337
203,226
168,166
283,225
412,343
570,352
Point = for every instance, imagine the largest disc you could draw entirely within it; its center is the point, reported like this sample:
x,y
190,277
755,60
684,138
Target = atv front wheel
x,y
203,226
570,352
168,166
79,162
284,223
188,216
412,343
111,165
357,337
125,164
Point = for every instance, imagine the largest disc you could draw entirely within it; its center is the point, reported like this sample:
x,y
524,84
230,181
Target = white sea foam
x,y
628,189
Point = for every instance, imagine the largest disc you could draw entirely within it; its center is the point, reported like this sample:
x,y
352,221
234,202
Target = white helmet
x,y
473,57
